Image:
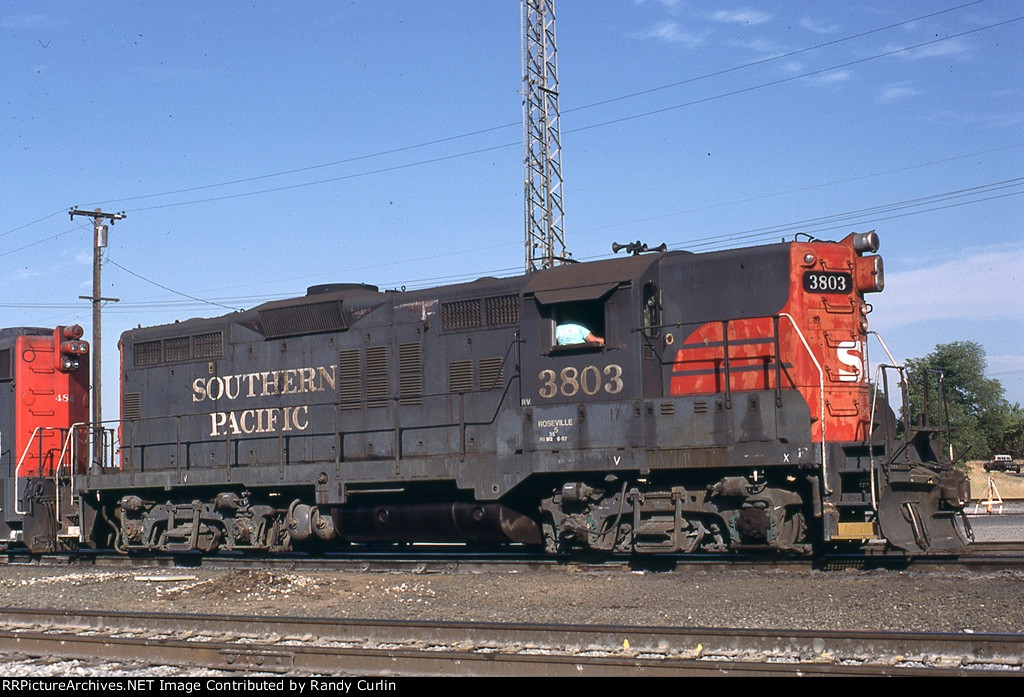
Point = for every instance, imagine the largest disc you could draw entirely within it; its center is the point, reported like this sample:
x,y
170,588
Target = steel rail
x,y
978,556
347,646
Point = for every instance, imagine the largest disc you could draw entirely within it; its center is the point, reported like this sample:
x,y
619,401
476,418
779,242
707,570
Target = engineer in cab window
x,y
568,333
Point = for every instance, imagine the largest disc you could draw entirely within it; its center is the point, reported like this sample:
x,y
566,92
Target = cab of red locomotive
x,y
44,388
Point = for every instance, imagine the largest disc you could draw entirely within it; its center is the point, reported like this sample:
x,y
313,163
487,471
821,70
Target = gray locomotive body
x,y
717,411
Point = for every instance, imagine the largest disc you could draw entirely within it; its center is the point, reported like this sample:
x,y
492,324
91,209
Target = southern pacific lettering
x,y
265,384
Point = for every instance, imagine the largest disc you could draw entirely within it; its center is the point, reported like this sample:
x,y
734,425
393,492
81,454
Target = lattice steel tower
x,y
542,156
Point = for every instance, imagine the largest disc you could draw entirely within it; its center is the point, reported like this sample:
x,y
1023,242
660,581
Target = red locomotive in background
x,y
663,402
44,391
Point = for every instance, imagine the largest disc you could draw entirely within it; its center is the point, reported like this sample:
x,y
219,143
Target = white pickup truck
x,y
1002,463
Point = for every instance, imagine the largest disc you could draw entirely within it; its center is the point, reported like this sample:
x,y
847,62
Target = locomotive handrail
x,y
60,463
885,348
21,462
778,373
821,392
67,449
879,371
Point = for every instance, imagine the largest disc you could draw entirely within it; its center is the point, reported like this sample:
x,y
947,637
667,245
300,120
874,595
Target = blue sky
x,y
259,148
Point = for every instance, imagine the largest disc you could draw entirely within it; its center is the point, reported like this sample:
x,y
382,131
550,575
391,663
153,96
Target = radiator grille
x,y
311,318
490,373
146,353
460,376
460,314
410,373
377,376
497,311
132,405
177,349
350,379
210,345
502,310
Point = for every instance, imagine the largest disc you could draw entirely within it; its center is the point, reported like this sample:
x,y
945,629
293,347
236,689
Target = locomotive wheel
x,y
791,530
694,536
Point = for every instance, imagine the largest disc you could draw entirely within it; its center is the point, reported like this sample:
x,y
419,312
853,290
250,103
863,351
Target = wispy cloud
x,y
766,47
817,26
674,32
951,47
667,3
965,292
833,77
747,16
898,92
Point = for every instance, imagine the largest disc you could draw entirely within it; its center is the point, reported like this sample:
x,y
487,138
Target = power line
x,y
357,175
45,217
846,219
849,218
769,59
517,144
448,139
170,290
579,129
818,224
42,241
791,78
518,124
477,132
802,189
852,219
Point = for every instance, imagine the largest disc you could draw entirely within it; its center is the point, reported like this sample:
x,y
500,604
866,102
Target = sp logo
x,y
851,354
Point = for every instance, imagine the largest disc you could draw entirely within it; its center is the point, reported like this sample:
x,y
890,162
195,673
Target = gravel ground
x,y
769,598
952,601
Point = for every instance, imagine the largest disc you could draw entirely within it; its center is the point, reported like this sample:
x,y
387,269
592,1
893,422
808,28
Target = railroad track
x,y
338,646
986,556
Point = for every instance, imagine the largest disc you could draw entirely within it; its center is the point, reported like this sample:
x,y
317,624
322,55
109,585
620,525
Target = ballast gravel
x,y
763,597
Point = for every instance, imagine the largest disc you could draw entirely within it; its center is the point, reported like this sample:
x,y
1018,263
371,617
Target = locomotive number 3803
x,y
570,381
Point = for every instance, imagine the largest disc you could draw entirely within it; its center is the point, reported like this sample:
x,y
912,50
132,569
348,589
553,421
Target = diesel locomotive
x,y
722,402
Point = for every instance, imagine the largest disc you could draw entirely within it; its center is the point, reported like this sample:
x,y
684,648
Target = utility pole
x,y
542,157
99,242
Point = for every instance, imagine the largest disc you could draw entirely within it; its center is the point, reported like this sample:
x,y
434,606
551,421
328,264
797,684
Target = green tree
x,y
1012,442
978,414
